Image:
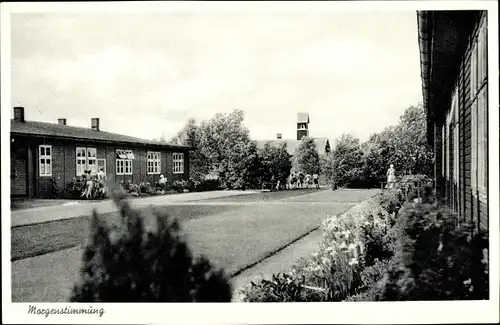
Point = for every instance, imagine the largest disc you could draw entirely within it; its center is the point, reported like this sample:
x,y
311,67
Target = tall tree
x,y
275,162
412,151
221,139
307,157
345,162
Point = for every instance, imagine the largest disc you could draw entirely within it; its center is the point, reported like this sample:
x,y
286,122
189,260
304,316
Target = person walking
x,y
162,182
391,176
101,180
316,180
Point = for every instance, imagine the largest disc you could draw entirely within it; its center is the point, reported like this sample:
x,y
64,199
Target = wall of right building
x,y
464,156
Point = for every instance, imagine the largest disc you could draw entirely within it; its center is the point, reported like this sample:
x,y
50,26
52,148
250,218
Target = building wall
x,y
64,165
462,197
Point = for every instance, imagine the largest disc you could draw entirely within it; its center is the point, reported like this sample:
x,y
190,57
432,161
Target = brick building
x,y
45,157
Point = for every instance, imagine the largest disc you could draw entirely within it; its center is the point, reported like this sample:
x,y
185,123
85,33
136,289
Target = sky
x,y
146,74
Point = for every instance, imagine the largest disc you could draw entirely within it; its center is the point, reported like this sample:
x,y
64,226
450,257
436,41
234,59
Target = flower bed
x,y
384,249
352,242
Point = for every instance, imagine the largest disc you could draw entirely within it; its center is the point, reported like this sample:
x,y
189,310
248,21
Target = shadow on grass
x,y
43,238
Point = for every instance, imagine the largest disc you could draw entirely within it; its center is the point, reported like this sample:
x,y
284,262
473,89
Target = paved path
x,y
60,212
233,240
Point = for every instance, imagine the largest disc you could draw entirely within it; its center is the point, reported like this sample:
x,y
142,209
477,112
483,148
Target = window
x,y
443,150
178,163
86,159
479,115
482,136
302,126
448,149
473,70
456,157
124,162
482,64
154,160
45,160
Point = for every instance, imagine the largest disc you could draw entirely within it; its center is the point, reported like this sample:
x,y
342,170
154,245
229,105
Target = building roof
x,y
291,145
302,117
42,129
442,40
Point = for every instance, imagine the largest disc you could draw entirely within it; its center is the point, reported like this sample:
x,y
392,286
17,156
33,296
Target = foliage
x,y
283,287
306,157
130,262
75,188
391,201
275,162
343,165
145,187
242,168
404,145
206,185
435,258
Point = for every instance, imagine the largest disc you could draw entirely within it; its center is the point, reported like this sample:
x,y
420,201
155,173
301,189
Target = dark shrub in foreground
x,y
130,263
434,259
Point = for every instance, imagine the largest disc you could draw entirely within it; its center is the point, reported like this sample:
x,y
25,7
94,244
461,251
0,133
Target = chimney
x,y
19,114
278,136
94,122
61,121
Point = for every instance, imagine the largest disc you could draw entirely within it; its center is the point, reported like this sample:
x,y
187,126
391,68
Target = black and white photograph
x,y
246,153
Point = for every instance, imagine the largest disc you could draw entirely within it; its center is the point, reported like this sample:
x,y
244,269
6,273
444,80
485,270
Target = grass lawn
x,y
32,240
20,204
265,196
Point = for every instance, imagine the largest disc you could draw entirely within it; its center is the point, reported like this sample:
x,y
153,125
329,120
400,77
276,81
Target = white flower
x,y
352,247
467,282
324,260
343,245
353,261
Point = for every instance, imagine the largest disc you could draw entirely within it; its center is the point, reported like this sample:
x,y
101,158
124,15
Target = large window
x,y
124,162
178,163
479,114
86,159
154,162
45,160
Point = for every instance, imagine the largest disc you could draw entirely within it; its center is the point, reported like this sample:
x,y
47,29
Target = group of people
x,y
300,180
94,185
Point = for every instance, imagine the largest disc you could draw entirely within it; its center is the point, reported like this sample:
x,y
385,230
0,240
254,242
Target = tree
x,y
412,151
378,153
129,263
224,140
344,164
275,162
403,145
307,157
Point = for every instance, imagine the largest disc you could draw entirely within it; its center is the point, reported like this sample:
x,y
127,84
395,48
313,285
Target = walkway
x,y
82,208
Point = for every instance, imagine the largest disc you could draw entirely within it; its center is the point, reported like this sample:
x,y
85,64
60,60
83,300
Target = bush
x,y
282,287
206,185
146,188
434,258
130,263
391,201
75,188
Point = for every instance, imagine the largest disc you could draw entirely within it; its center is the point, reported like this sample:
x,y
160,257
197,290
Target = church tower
x,y
302,125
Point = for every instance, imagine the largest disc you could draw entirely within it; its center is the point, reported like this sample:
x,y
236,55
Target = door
x,y
19,172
